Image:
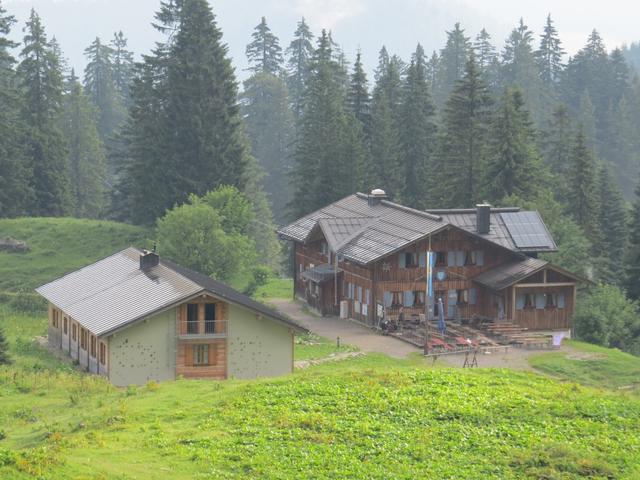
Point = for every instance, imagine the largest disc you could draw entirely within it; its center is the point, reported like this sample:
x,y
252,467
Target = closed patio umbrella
x,y
441,325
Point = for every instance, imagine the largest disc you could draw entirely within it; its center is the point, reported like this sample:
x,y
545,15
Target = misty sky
x,y
367,24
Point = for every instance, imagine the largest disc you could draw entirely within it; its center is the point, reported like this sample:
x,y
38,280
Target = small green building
x,y
134,317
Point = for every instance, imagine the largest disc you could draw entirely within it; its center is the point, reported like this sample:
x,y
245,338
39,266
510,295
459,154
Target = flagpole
x,y
428,299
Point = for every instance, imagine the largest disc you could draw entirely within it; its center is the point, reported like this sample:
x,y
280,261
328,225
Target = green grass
x,y
275,288
593,366
366,417
58,246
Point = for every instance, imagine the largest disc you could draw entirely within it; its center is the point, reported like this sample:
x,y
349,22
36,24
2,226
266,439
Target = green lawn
x,y
313,347
58,246
593,366
366,417
275,288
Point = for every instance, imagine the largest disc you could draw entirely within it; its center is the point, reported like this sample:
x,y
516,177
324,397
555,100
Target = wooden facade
x,y
398,281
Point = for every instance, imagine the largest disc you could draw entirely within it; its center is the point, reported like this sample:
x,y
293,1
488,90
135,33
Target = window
x,y
74,333
367,296
209,318
463,297
201,355
103,353
441,259
93,346
455,258
192,318
324,247
66,325
551,300
396,300
408,260
418,298
83,338
529,300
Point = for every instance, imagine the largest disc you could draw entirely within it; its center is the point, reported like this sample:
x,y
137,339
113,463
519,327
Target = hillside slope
x,y
59,245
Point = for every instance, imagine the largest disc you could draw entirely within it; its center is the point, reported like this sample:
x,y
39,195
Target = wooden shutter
x,y
460,259
473,296
540,301
387,299
188,355
422,259
480,258
560,300
407,300
402,260
451,259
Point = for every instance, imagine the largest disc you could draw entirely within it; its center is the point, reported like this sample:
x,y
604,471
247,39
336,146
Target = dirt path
x,y
349,332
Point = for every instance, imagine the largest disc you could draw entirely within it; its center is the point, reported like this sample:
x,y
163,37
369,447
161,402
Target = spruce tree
x,y
328,155
386,170
519,68
5,359
101,88
358,99
299,56
417,133
122,67
268,118
612,223
196,136
86,152
487,59
582,197
633,254
514,163
45,148
264,52
16,193
549,55
451,64
464,141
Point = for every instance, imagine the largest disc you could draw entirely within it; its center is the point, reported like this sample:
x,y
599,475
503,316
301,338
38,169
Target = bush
x,y
260,277
605,316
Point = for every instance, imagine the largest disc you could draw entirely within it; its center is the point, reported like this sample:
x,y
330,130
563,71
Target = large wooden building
x,y
365,257
133,317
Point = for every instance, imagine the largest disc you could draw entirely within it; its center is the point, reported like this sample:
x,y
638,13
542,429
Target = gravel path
x,y
351,333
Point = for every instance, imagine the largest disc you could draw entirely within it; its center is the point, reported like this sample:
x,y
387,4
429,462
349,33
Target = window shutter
x,y
472,296
408,298
422,259
367,294
561,300
402,260
188,355
459,259
452,300
360,294
388,299
480,258
540,301
520,301
451,259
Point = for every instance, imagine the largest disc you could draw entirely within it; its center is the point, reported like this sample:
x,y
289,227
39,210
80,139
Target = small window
x,y
83,338
397,299
201,355
463,297
418,298
192,318
74,332
66,325
529,300
551,300
441,259
103,353
411,260
93,346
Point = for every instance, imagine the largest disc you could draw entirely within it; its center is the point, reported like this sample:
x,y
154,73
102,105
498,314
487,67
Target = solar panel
x,y
527,230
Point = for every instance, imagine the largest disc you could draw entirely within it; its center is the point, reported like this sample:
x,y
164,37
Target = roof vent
x,y
483,218
376,195
148,260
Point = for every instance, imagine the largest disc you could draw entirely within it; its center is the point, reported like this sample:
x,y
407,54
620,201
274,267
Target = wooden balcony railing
x,y
206,328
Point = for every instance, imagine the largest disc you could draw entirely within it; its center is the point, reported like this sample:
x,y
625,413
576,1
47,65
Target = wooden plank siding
x,y
388,275
217,367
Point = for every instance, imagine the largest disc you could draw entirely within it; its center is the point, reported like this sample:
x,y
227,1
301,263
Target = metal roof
x,y
114,292
508,274
501,232
382,228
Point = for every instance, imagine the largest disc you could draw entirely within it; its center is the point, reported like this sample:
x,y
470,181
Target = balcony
x,y
193,330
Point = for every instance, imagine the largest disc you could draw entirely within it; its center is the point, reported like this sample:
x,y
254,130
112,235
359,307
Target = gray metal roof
x,y
381,229
501,232
510,273
114,292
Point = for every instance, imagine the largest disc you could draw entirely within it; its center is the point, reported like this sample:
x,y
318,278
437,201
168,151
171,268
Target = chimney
x,y
376,196
483,218
148,259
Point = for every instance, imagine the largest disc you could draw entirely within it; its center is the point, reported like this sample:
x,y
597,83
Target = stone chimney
x,y
483,218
